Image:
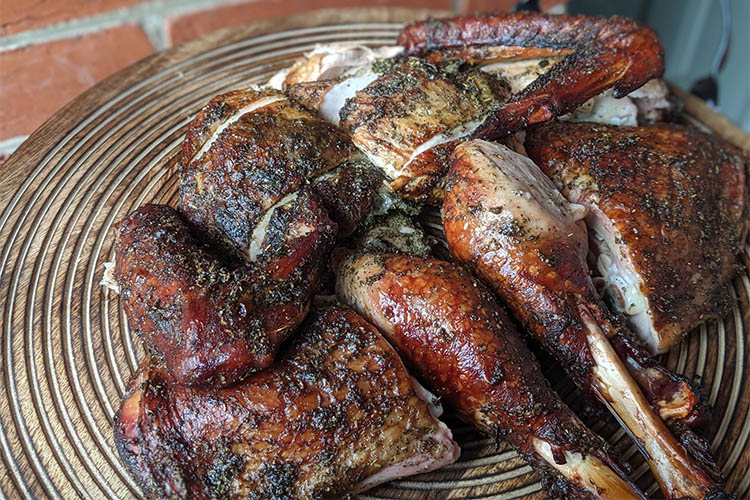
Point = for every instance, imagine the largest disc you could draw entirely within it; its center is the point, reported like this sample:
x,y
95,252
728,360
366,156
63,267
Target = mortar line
x,y
144,14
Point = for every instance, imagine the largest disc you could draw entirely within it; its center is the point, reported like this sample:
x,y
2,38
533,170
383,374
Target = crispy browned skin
x,y
408,105
506,220
267,153
336,410
348,193
601,53
677,199
211,323
451,331
212,115
405,106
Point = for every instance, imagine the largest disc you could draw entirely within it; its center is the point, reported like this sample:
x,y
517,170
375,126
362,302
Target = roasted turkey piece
x,y
394,103
249,149
337,414
648,104
504,218
406,116
597,54
452,332
668,210
408,113
212,323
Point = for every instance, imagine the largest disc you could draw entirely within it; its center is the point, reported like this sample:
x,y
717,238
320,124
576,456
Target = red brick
x,y
38,80
504,5
190,25
23,15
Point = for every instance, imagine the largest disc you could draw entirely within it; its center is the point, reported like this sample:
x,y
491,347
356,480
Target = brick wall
x,y
52,50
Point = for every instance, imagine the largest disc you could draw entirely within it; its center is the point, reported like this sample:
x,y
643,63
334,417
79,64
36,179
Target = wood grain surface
x,y
67,352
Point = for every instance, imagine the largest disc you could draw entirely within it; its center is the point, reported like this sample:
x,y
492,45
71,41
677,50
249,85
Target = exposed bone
x,y
587,470
678,476
497,219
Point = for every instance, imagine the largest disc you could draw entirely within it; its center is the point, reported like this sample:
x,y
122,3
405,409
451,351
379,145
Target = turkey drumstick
x,y
450,329
505,219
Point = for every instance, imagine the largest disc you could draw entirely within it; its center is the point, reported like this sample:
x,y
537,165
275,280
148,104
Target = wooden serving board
x,y
66,351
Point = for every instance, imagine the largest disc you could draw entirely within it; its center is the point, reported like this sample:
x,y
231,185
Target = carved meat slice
x,y
248,149
407,116
338,414
667,210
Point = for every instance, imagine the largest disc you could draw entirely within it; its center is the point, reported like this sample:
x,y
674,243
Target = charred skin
x,y
448,327
348,193
337,414
505,219
248,149
677,200
213,324
599,53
